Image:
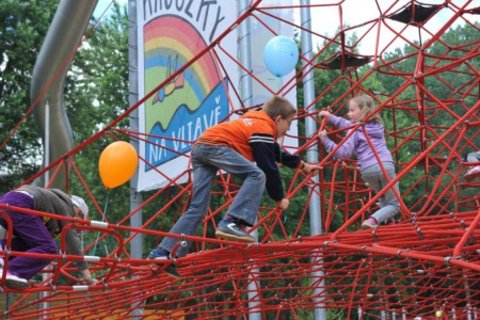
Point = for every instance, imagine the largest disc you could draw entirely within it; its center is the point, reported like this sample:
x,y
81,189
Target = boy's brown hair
x,y
368,106
279,106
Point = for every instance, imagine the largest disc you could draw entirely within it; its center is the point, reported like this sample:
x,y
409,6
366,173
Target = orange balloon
x,y
117,163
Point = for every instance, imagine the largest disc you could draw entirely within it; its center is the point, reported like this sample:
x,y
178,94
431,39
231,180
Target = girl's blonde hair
x,y
368,106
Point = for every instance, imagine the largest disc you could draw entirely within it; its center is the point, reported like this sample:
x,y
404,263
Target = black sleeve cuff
x,y
285,158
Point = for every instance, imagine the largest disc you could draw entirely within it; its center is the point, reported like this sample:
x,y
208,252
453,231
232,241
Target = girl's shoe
x,y
472,173
391,222
370,223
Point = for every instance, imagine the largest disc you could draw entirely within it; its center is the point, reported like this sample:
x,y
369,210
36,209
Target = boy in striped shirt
x,y
245,147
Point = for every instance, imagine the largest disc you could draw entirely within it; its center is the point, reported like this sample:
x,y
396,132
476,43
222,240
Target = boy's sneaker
x,y
14,282
171,270
229,230
369,223
158,254
472,173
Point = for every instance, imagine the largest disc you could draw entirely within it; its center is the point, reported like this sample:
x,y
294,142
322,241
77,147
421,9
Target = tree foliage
x,y
23,26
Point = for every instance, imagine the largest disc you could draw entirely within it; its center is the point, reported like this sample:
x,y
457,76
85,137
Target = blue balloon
x,y
280,55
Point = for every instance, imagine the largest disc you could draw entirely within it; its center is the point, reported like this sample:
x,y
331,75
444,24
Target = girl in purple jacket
x,y
360,108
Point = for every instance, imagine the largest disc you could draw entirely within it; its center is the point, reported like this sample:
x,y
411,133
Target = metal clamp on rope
x,y
8,252
173,253
119,259
49,283
420,234
414,217
183,241
327,243
64,255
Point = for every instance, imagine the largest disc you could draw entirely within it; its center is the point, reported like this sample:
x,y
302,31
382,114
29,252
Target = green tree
x,y
95,93
23,26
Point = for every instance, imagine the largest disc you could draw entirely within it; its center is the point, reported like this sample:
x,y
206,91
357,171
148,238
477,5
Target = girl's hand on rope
x,y
283,204
322,134
324,113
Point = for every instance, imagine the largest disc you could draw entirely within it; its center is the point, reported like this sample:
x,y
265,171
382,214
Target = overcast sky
x,y
327,19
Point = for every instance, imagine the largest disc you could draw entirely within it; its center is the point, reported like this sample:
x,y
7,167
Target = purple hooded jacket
x,y
357,143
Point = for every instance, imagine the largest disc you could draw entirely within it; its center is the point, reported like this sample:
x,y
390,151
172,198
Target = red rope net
x,y
428,261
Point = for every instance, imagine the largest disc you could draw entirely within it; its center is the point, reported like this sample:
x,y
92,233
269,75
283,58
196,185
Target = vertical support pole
x,y
43,294
246,94
136,198
312,156
47,143
245,58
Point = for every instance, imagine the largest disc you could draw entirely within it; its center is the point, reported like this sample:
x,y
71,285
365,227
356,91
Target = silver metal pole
x,y
136,198
246,94
44,294
47,143
64,34
136,248
245,58
312,156
65,31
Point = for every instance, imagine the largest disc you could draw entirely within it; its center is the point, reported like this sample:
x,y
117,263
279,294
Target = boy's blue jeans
x,y
206,160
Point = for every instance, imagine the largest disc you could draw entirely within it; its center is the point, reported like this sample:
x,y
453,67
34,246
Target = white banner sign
x,y
170,34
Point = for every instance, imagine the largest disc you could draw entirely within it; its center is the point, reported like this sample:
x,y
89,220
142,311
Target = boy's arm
x,y
263,153
293,161
74,246
88,278
285,158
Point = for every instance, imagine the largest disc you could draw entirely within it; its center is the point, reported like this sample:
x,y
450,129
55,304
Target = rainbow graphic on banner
x,y
191,102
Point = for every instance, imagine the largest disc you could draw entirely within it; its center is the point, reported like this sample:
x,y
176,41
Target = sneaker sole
x,y
472,175
164,270
12,284
172,275
228,236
